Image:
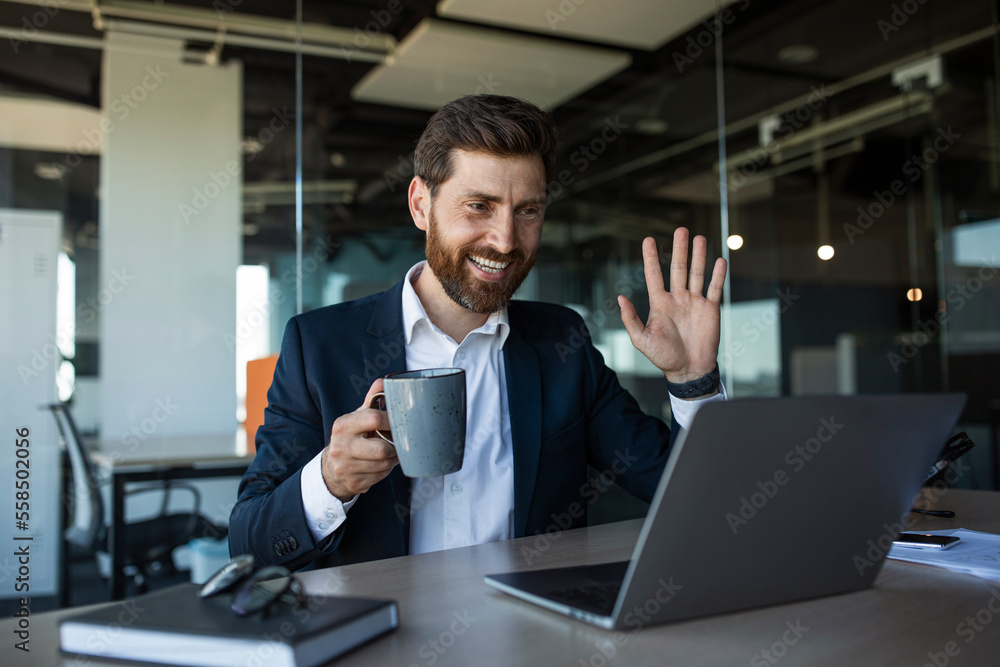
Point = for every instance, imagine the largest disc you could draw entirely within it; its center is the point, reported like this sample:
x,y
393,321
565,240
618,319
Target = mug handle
x,y
377,402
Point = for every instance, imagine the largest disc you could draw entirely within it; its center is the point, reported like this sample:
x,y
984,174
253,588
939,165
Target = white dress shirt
x,y
475,504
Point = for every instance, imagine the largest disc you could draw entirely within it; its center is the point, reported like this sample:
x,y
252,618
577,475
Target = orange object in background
x,y
260,372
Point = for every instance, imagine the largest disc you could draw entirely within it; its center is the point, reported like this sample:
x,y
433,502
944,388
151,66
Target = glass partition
x,y
860,168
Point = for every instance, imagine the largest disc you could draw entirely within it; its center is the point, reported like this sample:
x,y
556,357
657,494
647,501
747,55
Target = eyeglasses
x,y
253,590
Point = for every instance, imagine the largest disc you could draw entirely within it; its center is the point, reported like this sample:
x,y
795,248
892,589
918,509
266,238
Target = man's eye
x,y
529,211
478,206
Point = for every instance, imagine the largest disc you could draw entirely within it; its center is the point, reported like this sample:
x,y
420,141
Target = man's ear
x,y
419,197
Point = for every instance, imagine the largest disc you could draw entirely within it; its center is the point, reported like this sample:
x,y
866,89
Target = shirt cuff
x,y
684,409
324,511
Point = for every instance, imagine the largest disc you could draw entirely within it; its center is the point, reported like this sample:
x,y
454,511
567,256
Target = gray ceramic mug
x,y
426,419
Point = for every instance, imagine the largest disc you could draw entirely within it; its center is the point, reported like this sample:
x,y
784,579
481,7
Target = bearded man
x,y
324,489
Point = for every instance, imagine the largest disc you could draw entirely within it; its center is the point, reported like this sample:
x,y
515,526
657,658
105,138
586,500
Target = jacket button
x,y
292,544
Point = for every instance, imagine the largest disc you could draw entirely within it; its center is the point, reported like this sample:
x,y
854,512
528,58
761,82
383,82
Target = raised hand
x,y
681,335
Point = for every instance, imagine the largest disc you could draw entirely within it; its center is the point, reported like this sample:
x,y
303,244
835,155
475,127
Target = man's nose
x,y
503,233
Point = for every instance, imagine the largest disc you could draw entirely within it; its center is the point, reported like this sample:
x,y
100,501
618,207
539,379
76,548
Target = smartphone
x,y
925,541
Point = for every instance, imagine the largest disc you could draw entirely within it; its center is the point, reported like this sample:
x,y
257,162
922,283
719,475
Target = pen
x,y
948,514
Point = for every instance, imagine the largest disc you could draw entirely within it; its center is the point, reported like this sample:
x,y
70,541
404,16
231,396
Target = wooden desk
x,y
177,457
450,617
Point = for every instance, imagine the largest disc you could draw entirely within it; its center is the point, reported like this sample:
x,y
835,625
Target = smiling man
x,y
322,489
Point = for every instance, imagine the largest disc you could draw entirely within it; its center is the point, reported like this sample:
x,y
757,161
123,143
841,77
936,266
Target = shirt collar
x,y
413,312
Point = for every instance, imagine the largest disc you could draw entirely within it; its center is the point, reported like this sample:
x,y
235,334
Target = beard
x,y
464,288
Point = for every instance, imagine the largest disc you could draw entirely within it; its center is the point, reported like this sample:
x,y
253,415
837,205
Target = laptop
x,y
762,501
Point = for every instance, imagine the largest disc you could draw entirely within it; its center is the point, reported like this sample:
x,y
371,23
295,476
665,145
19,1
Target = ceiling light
x,y
798,54
735,242
825,252
914,294
651,126
337,159
251,145
50,171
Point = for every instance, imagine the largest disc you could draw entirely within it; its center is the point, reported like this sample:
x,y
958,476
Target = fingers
x,y
678,260
651,266
376,387
696,279
630,318
371,449
718,280
353,461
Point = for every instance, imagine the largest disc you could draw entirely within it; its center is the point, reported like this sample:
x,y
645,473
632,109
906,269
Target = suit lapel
x,y
384,352
524,400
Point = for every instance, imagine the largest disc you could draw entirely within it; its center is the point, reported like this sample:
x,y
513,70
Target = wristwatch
x,y
703,386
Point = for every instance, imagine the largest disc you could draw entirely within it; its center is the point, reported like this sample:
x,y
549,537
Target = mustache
x,y
494,255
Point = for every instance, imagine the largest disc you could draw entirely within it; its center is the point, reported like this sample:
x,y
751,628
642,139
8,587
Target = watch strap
x,y
703,386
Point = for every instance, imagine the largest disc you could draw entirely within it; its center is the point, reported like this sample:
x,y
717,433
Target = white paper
x,y
977,554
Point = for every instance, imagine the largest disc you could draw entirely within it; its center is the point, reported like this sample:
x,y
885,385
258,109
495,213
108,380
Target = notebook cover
x,y
178,610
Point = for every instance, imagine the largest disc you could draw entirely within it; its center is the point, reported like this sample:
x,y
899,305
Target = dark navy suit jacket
x,y
567,410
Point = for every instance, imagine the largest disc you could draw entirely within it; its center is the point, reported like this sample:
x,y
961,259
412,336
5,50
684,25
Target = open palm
x,y
681,335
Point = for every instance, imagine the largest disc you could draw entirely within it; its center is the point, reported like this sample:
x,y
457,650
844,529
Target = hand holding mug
x,y
355,459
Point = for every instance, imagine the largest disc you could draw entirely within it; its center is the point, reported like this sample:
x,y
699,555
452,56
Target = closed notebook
x,y
175,626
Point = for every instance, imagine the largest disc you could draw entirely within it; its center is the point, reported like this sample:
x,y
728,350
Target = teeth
x,y
489,265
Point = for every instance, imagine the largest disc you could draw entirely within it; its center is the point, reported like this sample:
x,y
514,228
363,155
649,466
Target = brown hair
x,y
493,124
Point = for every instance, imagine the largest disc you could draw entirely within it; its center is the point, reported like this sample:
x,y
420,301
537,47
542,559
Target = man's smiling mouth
x,y
487,265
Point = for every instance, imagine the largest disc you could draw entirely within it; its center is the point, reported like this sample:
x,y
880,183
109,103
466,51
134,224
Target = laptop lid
x,y
770,500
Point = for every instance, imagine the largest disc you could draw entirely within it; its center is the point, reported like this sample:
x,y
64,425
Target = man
x,y
322,489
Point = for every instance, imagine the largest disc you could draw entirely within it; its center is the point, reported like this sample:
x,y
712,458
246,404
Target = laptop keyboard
x,y
597,598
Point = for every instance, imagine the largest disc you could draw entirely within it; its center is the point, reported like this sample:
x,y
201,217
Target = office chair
x,y
149,543
260,373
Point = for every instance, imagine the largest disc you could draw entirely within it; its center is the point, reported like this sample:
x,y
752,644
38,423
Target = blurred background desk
x,y
169,458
